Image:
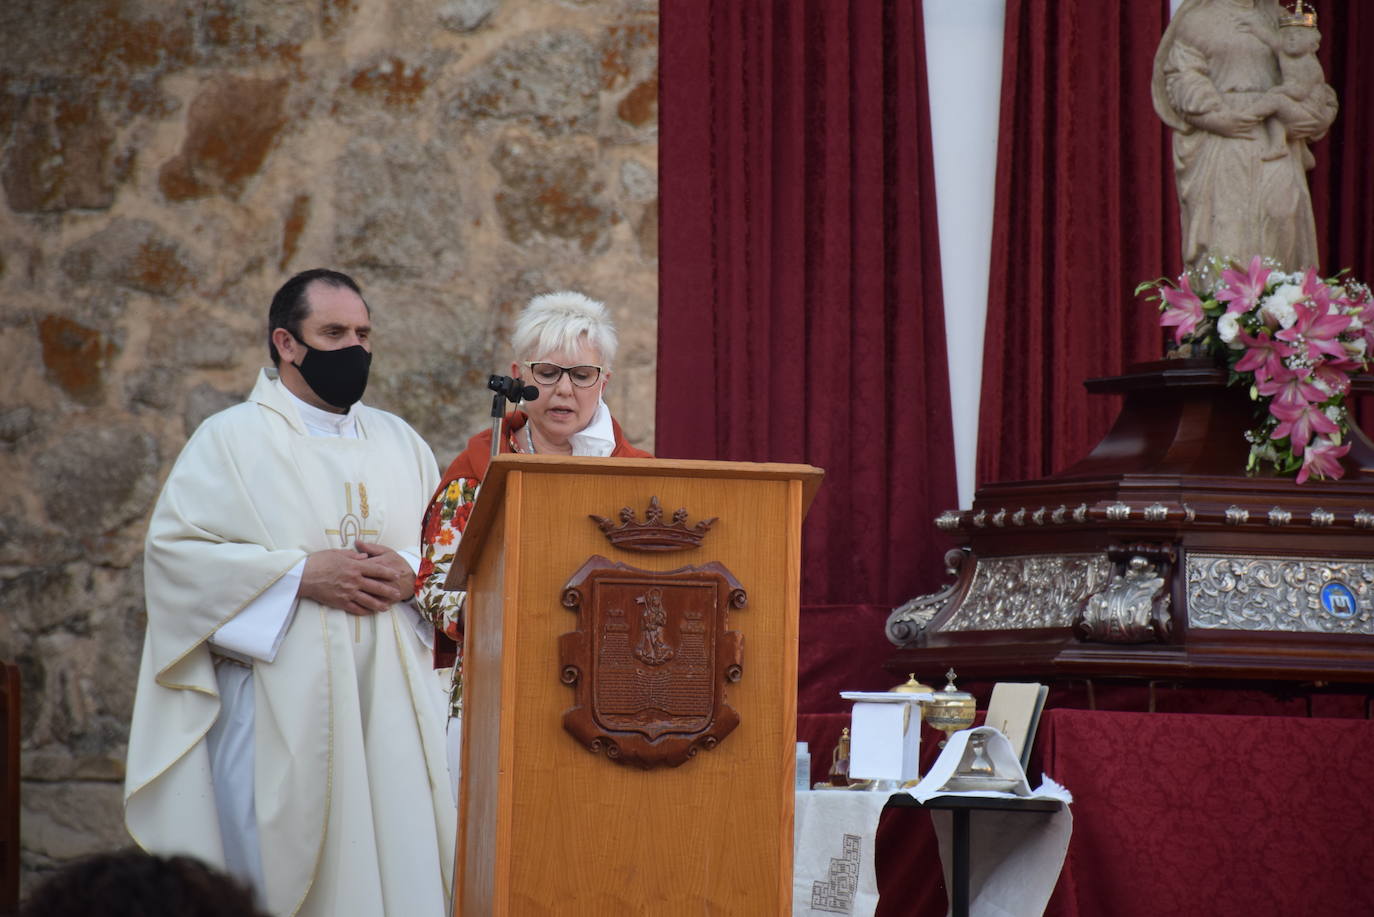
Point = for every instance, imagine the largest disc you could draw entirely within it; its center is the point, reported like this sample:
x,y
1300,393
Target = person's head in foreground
x,y
564,344
131,883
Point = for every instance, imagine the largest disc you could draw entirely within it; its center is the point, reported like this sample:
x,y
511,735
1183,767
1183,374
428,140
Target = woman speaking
x,y
564,343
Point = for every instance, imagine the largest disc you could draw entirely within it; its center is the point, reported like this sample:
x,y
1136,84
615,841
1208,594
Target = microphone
x,y
512,389
506,388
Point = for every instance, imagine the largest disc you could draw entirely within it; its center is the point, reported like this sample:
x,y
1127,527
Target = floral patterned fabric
x,y
444,523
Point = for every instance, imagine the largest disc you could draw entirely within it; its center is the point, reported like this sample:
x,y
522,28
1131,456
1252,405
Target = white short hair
x,y
556,321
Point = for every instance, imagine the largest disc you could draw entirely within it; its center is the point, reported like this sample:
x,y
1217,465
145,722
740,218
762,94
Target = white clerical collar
x,y
598,437
320,422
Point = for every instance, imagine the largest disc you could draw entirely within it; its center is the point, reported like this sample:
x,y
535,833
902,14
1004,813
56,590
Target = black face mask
x,y
339,377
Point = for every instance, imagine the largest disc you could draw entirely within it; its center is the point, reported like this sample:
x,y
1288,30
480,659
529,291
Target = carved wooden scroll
x,y
650,660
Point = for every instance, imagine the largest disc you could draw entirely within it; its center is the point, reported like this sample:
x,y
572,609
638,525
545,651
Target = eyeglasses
x,y
549,374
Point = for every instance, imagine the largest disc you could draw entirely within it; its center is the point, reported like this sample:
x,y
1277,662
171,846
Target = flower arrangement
x,y
1294,339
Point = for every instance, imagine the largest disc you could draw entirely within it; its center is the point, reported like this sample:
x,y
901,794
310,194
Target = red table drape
x,y
800,313
1188,814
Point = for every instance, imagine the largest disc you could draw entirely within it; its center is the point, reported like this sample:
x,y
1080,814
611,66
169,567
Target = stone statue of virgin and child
x,y
1240,84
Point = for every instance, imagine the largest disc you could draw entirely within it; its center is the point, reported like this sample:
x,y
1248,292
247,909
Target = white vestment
x,y
354,810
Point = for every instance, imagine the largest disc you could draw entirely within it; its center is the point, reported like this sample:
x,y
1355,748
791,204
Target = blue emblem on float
x,y
1339,600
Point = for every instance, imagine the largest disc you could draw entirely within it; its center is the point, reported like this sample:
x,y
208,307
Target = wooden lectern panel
x,y
548,826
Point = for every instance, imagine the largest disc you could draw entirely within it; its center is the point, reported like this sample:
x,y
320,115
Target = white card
x,y
877,743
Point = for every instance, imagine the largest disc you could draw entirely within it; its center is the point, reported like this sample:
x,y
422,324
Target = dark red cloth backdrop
x,y
800,314
1087,208
1343,181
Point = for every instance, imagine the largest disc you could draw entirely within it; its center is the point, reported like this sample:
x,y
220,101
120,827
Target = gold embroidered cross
x,y
351,529
350,526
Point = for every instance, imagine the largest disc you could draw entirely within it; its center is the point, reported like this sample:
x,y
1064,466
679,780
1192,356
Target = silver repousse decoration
x,y
1156,512
1009,593
1279,516
1133,608
1038,517
980,518
1284,594
1364,519
1118,512
1080,513
947,521
999,518
1019,517
1322,517
1057,517
1235,515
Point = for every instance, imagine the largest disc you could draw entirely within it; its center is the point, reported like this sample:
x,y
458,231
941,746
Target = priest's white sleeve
x,y
256,632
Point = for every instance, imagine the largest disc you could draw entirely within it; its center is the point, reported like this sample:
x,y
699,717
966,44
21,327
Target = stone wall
x,y
165,165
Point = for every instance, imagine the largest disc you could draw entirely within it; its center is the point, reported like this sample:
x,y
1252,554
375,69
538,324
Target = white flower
x,y
1298,361
1278,305
1355,348
1355,323
1320,383
1334,413
1227,328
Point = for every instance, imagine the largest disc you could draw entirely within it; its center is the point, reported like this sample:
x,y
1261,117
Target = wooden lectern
x,y
550,823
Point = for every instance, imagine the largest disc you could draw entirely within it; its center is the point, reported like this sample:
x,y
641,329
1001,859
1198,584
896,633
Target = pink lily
x,y
1316,330
1263,355
1335,375
1184,310
1243,290
1289,389
1323,460
1300,424
1315,290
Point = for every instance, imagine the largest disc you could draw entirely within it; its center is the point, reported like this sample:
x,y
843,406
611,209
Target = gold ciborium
x,y
912,686
951,710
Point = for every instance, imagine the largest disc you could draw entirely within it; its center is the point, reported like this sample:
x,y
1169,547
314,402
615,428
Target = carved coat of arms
x,y
650,660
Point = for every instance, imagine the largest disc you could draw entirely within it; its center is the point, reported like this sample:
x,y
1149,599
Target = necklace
x,y
529,438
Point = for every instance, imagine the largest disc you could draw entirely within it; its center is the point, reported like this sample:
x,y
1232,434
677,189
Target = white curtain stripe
x,y
964,70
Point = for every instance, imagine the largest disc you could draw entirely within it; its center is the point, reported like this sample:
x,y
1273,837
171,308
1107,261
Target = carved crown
x,y
653,534
1299,15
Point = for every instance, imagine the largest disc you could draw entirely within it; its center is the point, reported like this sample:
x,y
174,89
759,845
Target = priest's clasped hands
x,y
363,581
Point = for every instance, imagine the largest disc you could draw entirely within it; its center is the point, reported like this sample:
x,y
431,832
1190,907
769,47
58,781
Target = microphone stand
x,y
509,389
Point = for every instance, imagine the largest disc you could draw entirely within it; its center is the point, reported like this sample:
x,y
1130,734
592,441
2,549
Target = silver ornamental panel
x,y
1285,594
1042,590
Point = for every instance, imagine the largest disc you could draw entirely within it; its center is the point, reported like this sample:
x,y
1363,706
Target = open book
x,y
1014,710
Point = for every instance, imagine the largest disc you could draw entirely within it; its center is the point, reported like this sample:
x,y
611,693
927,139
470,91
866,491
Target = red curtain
x,y
800,315
1343,181
1087,208
1084,211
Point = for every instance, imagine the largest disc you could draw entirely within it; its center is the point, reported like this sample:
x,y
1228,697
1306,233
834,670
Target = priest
x,y
288,726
